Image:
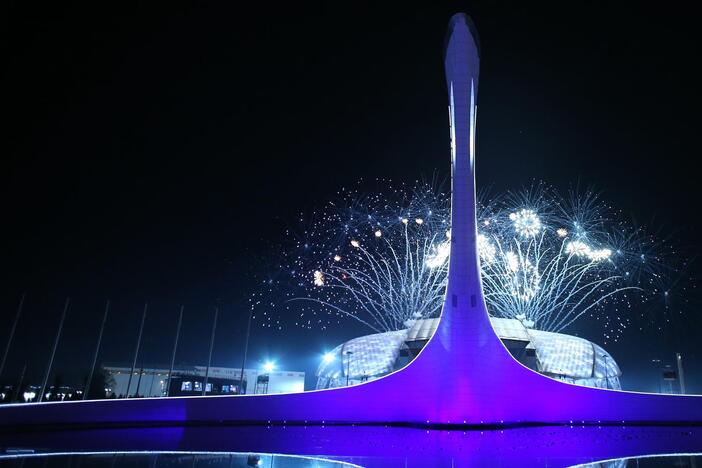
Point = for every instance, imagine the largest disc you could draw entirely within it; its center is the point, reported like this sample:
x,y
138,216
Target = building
x,y
563,357
188,381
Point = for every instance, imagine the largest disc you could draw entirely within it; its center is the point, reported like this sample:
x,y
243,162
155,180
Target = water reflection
x,y
367,446
654,461
21,459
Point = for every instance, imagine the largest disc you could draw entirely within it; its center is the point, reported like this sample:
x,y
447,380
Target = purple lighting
x,y
464,375
372,447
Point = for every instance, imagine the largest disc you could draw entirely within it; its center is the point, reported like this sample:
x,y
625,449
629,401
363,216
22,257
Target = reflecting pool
x,y
338,446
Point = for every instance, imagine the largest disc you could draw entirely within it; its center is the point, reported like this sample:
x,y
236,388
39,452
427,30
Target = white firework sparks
x,y
526,222
438,256
524,281
318,278
548,269
581,249
486,249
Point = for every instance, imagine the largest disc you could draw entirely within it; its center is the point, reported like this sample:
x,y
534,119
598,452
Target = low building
x,y
189,381
563,357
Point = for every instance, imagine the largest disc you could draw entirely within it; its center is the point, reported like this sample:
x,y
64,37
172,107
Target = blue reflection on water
x,y
376,446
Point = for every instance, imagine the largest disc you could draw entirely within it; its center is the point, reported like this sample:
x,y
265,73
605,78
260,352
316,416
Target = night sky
x,y
154,153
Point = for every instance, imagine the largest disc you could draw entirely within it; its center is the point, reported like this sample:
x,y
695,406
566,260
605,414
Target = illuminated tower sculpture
x,y
464,375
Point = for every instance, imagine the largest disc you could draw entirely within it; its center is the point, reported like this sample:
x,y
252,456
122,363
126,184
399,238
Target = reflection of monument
x,y
467,375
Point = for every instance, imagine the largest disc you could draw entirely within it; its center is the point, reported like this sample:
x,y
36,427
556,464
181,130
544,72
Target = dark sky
x,y
153,153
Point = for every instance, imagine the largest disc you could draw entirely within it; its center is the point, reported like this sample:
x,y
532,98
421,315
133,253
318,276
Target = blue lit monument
x,y
467,376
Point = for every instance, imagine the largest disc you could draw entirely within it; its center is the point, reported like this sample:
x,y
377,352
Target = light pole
x,y
136,350
209,358
246,350
97,351
348,366
53,351
21,381
141,373
12,334
658,364
606,371
175,348
681,375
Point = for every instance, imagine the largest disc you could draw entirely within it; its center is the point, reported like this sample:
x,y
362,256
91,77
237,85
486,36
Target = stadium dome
x,y
563,357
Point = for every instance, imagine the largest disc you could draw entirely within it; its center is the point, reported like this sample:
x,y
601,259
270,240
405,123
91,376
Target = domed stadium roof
x,y
558,355
368,356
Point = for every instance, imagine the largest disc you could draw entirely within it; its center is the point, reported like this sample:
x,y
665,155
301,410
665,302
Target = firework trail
x,y
547,261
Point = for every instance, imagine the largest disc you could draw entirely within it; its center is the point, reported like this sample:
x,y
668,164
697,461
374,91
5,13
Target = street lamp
x,y
658,365
606,371
348,366
269,366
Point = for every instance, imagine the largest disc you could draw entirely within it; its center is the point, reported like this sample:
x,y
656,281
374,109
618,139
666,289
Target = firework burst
x,y
545,260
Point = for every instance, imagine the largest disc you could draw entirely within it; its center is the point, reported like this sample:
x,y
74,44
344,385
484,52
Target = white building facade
x,y
557,355
153,381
